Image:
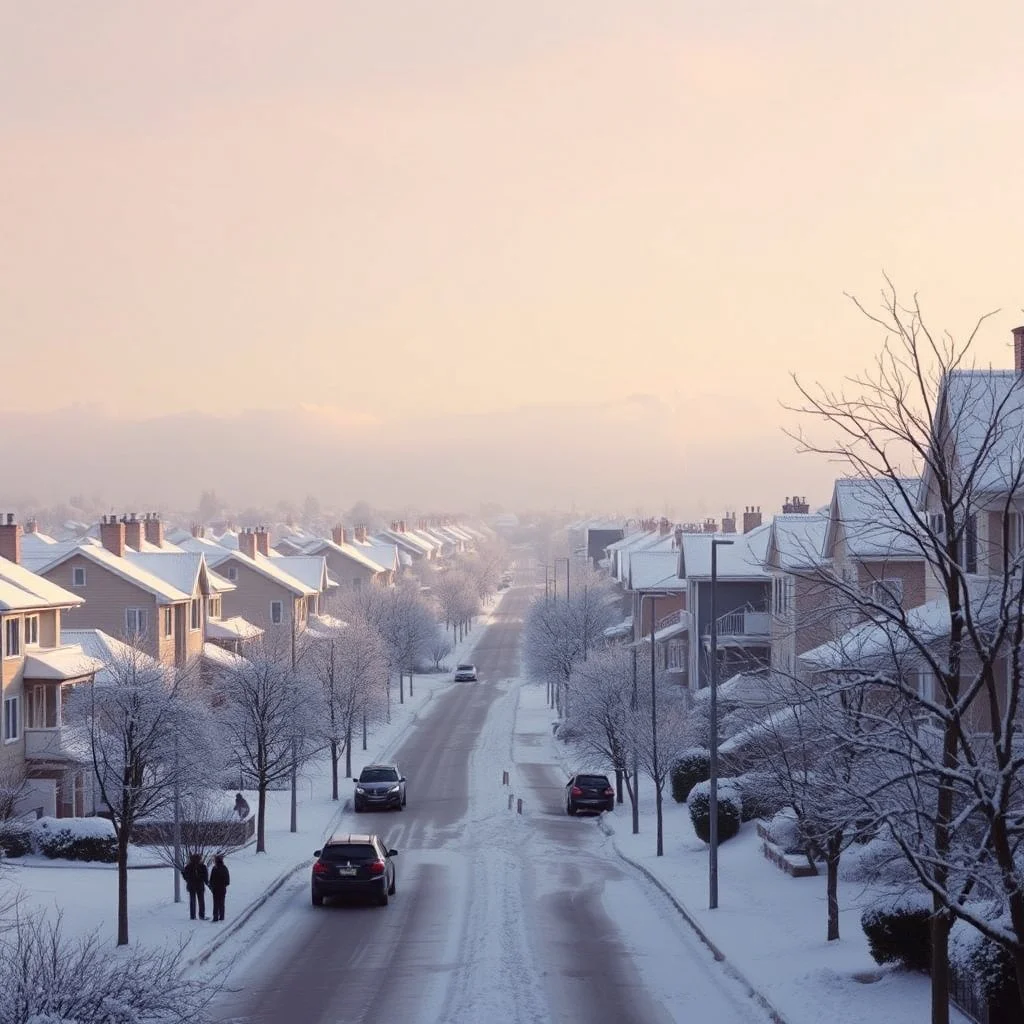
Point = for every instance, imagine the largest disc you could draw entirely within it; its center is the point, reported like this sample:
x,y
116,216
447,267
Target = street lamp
x,y
713,803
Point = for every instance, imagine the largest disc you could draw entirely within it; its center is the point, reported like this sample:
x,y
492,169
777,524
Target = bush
x,y
730,809
899,931
762,798
15,838
691,767
86,839
991,967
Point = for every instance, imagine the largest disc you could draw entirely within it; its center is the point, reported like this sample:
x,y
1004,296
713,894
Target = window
x,y
78,576
888,593
276,612
233,573
12,719
213,611
12,638
136,622
31,630
197,613
167,616
967,549
357,583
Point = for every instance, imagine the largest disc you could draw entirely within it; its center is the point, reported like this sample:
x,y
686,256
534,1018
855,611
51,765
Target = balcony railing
x,y
744,624
60,744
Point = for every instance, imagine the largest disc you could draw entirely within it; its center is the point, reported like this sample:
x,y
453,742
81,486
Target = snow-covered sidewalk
x,y
86,894
769,928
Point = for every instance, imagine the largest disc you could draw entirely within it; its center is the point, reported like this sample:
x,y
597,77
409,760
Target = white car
x,y
465,673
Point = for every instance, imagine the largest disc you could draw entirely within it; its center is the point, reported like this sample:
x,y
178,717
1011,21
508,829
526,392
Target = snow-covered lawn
x,y
86,894
769,927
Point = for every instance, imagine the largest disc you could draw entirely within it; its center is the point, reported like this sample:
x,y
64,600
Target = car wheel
x,y
357,807
318,901
569,809
403,799
382,899
391,888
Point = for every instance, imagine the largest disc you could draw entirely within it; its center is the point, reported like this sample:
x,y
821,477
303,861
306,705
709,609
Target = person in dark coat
x,y
196,878
241,807
220,879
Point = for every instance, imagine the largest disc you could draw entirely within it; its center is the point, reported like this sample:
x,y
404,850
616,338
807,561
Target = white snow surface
x,y
769,927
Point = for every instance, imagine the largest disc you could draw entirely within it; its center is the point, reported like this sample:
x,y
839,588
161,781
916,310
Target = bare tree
x,y
210,825
131,719
350,667
268,715
13,785
943,441
457,599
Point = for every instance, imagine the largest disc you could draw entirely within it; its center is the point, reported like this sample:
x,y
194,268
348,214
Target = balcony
x,y
61,744
742,628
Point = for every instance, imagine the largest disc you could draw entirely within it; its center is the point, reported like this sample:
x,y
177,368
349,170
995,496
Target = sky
x,y
377,214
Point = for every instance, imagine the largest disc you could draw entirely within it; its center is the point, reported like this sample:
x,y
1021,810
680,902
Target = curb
x,y
701,934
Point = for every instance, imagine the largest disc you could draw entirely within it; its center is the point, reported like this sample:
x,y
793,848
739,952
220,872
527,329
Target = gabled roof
x,y
876,515
795,540
654,570
383,553
741,560
355,553
23,590
970,404
184,570
127,569
310,569
267,567
414,545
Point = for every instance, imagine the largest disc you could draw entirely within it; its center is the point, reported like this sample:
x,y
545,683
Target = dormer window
x,y
232,573
78,576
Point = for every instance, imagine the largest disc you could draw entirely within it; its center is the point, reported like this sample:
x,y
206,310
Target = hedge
x,y
691,767
899,931
730,809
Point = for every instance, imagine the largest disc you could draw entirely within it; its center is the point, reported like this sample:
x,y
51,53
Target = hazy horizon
x,y
538,254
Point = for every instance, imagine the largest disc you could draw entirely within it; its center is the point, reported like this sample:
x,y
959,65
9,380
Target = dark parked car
x,y
465,673
353,865
379,785
587,792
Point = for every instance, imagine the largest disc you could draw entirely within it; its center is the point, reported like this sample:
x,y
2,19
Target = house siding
x,y
253,595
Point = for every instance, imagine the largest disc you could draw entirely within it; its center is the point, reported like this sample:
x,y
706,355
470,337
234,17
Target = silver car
x,y
379,786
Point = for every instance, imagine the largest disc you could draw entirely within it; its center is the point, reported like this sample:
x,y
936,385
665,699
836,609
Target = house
x,y
742,599
38,670
350,560
154,599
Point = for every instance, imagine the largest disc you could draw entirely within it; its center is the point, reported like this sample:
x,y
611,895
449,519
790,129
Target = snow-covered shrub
x,y
692,766
568,731
898,930
15,838
47,978
730,809
761,795
785,832
88,839
878,862
991,966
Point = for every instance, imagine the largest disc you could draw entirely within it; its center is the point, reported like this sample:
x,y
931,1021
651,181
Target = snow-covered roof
x,y
310,569
110,652
796,540
233,628
876,515
383,553
356,553
183,570
415,545
69,661
23,590
620,629
654,570
221,658
973,402
743,559
267,567
880,645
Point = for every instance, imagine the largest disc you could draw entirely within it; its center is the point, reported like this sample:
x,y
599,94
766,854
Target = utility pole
x,y
294,824
634,705
654,729
177,819
713,726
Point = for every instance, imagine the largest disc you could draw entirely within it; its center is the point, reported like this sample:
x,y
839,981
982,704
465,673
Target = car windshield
x,y
355,852
465,668
379,775
591,780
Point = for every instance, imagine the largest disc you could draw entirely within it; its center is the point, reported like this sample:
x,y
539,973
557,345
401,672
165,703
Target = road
x,y
498,917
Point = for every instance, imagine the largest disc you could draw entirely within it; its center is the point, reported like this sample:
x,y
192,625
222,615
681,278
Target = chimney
x,y
338,534
32,525
247,542
800,505
401,526
263,541
112,535
360,534
751,518
154,529
729,522
198,531
132,531
1018,350
710,526
10,539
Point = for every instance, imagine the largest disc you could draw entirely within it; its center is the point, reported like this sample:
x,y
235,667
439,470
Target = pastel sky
x,y
374,209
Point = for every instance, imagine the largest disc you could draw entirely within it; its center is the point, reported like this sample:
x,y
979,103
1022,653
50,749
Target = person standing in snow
x,y
196,878
220,879
241,807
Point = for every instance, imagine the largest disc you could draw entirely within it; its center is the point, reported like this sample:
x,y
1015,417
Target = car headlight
x,y
394,789
359,789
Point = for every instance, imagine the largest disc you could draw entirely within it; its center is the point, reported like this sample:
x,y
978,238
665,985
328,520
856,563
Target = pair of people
x,y
197,878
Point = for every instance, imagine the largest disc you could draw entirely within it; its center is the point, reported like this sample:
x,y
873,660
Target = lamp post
x,y
713,802
634,704
660,849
